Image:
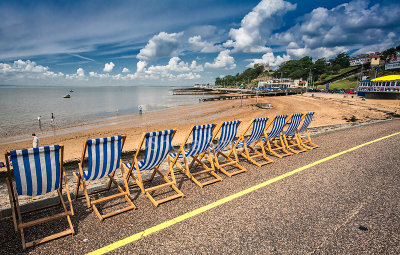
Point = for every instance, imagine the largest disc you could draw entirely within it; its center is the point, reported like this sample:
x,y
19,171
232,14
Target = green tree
x,y
343,60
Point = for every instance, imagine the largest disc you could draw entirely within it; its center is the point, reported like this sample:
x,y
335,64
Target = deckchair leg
x,y
231,162
12,203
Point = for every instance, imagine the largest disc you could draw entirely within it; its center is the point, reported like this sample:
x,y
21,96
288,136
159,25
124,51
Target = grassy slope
x,y
343,84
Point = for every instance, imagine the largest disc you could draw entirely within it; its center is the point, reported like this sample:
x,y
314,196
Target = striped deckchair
x,y
104,158
37,171
306,140
226,141
158,145
273,140
290,136
249,150
201,140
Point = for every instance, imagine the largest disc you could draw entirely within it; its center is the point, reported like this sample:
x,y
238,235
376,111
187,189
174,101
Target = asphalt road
x,y
346,205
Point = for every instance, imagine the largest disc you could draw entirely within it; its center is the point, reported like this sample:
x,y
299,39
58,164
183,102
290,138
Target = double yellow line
x,y
205,208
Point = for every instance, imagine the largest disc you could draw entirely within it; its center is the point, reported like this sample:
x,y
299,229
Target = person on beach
x,y
52,119
36,143
140,110
40,123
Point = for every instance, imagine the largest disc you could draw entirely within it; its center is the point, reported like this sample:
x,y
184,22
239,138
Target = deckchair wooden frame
x,y
275,146
17,212
231,161
306,142
206,154
247,150
81,184
293,142
140,182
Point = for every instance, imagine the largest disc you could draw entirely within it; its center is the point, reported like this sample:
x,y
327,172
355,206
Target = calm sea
x,y
21,106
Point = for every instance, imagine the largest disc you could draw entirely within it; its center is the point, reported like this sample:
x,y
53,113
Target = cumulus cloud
x,y
27,69
270,59
161,45
203,46
356,25
125,70
108,67
257,26
79,75
175,69
223,60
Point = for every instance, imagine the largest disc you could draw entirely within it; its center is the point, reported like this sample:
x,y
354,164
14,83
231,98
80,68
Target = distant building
x,y
267,67
356,61
282,83
375,60
392,65
386,87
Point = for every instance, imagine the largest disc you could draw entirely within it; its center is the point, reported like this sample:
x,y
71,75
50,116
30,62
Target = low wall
x,y
382,95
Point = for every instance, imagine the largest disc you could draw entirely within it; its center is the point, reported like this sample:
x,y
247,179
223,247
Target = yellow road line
x,y
202,209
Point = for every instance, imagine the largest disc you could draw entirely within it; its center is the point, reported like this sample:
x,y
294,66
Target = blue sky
x,y
174,42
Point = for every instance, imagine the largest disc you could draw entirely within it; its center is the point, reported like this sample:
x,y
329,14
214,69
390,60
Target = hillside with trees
x,y
319,72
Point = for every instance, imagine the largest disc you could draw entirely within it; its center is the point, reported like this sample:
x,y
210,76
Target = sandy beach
x,y
330,109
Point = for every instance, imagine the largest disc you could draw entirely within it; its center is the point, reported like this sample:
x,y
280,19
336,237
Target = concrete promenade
x,y
337,199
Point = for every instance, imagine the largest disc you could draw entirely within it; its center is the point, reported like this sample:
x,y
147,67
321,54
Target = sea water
x,y
20,107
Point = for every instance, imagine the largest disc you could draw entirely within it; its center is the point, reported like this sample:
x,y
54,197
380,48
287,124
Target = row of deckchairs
x,y
38,171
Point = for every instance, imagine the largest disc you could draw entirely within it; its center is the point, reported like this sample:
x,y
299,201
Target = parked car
x,y
349,91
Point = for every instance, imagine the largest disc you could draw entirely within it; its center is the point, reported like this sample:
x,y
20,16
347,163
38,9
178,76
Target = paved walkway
x,y
338,199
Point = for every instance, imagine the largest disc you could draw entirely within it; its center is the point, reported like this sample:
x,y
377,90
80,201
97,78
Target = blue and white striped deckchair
x,y
158,145
201,140
274,141
249,150
104,158
290,135
37,171
306,141
228,134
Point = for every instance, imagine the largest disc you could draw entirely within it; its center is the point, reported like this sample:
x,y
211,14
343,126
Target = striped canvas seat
x,y
201,139
36,170
306,139
228,132
259,125
290,137
157,146
248,145
294,124
104,157
202,136
307,120
274,141
277,127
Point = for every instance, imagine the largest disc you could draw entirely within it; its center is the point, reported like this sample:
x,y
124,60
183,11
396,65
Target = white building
x,y
279,83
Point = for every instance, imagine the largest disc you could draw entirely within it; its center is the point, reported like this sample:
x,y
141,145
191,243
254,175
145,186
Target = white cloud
x,y
257,25
356,25
223,60
320,52
108,67
175,69
161,45
203,46
27,69
270,59
79,75
125,70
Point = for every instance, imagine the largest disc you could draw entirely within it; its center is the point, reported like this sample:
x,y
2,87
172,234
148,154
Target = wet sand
x,y
329,110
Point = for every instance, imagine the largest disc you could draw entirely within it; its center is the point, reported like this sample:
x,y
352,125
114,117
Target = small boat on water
x,y
71,90
67,96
